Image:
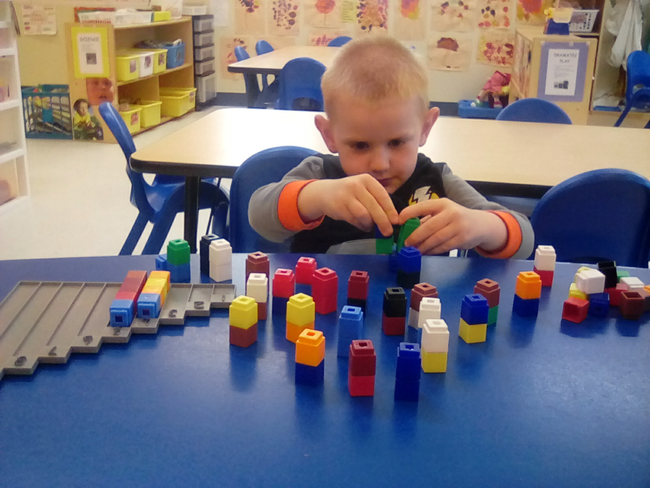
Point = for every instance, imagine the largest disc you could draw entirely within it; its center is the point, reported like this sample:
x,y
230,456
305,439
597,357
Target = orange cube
x,y
294,331
310,347
529,285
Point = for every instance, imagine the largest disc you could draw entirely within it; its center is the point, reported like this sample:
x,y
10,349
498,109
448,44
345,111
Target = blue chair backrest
x,y
638,72
117,126
534,110
596,216
241,53
265,167
339,41
300,78
263,47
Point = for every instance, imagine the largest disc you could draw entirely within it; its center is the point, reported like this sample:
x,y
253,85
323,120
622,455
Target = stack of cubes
x,y
393,320
588,282
122,311
177,261
243,321
545,258
409,264
420,291
435,346
406,230
257,287
358,289
492,292
310,357
204,252
633,298
362,368
383,245
528,290
324,289
284,287
430,309
257,262
220,260
474,313
301,315
350,328
407,378
305,268
153,295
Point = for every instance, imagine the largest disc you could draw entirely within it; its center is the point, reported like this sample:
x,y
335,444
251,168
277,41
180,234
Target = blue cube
x,y
310,375
525,307
351,322
204,250
179,273
121,313
148,306
408,361
409,260
161,262
475,309
407,390
598,305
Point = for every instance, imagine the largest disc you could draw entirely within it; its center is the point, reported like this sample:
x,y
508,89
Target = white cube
x,y
413,318
257,287
545,258
631,283
430,309
435,336
590,281
220,252
221,272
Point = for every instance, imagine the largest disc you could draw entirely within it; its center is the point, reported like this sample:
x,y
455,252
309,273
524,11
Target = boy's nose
x,y
380,160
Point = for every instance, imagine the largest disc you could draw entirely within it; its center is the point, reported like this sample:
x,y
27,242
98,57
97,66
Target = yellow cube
x,y
434,362
294,331
243,312
529,285
301,309
472,333
156,285
165,275
310,347
575,293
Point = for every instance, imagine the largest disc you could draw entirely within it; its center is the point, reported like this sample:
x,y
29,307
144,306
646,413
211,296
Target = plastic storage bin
x,y
175,55
159,59
204,67
202,23
177,101
203,53
143,17
128,67
195,10
162,16
47,112
204,39
145,60
150,114
466,111
583,20
206,87
132,118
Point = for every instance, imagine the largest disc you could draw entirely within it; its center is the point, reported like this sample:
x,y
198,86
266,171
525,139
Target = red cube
x,y
284,283
325,304
363,360
575,309
361,385
546,276
490,290
420,291
358,285
257,262
132,286
393,326
632,305
324,282
243,337
615,294
305,268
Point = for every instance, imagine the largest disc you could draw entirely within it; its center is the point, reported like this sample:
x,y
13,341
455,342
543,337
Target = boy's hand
x,y
447,225
359,200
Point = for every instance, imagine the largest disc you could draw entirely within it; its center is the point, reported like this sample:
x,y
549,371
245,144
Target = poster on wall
x,y
95,3
449,52
494,14
322,37
90,52
372,16
227,56
284,17
532,11
38,20
249,17
348,11
323,13
562,70
409,21
496,48
453,15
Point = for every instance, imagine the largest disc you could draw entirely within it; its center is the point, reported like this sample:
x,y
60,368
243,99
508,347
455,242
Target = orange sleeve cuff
x,y
514,238
288,208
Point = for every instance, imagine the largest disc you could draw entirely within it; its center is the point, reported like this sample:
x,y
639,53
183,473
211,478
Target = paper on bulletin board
x,y
562,71
322,37
323,13
250,17
38,20
453,15
372,16
450,52
284,17
348,11
96,3
221,11
90,52
409,23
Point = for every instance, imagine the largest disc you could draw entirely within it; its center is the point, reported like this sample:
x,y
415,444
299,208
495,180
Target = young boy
x,y
376,101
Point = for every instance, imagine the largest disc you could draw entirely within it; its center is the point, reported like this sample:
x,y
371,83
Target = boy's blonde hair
x,y
374,69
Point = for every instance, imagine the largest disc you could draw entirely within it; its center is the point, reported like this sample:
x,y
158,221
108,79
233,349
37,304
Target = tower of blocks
x,y
492,292
409,264
362,368
176,261
310,357
301,315
405,231
284,287
407,377
123,311
430,309
474,313
204,252
393,319
220,260
420,291
528,290
350,328
325,289
257,287
257,262
243,321
587,282
358,284
305,268
545,258
435,346
383,244
153,294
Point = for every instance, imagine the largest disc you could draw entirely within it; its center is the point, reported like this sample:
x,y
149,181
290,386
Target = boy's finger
x,y
377,213
442,241
421,209
382,197
361,215
427,230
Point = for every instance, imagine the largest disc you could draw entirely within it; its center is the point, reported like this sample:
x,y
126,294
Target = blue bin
x,y
466,111
175,54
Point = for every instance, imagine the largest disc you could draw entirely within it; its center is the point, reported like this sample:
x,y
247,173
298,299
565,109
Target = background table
x,y
506,158
541,403
273,62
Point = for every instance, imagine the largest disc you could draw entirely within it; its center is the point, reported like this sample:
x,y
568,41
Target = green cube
x,y
621,273
406,230
178,252
384,246
492,315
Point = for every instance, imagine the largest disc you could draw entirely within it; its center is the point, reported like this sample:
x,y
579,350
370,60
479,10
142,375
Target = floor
x,y
79,204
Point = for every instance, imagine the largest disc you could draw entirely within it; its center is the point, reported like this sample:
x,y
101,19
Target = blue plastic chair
x,y
250,80
637,93
534,110
596,216
300,85
159,202
265,167
263,47
339,41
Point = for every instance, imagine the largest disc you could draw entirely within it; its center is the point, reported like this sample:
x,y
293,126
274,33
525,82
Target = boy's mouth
x,y
385,182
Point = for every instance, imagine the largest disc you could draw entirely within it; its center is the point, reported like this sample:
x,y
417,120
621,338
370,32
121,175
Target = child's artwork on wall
x,y
456,15
249,17
371,15
323,13
494,13
284,17
348,11
227,56
496,48
322,37
449,52
532,11
409,21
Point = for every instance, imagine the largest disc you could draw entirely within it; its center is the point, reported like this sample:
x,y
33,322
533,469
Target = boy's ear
x,y
429,119
324,126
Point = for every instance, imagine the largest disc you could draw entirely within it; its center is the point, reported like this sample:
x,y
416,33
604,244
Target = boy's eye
x,y
360,146
395,143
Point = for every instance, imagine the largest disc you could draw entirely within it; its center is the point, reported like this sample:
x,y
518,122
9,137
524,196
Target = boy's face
x,y
99,90
83,108
380,139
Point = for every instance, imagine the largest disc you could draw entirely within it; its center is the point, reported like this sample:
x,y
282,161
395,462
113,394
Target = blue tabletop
x,y
543,402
